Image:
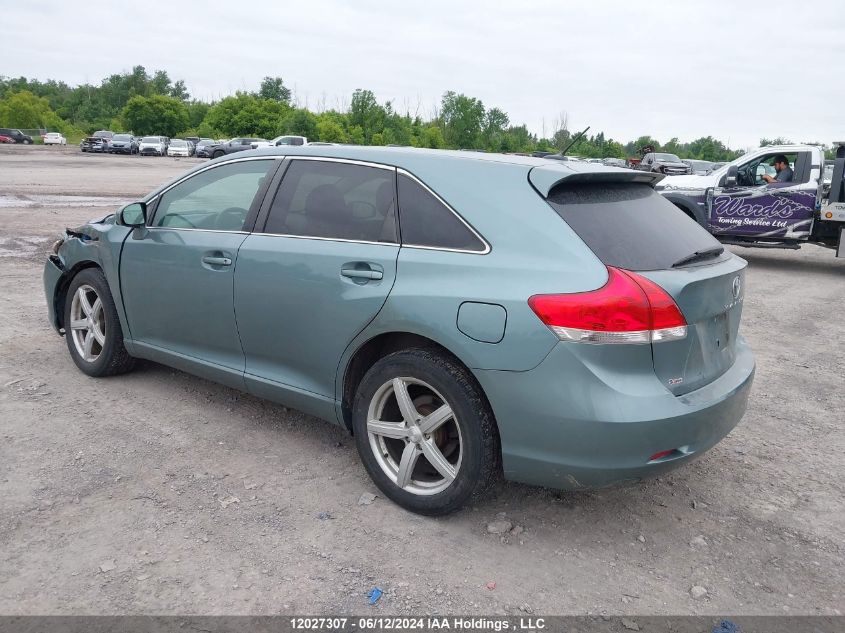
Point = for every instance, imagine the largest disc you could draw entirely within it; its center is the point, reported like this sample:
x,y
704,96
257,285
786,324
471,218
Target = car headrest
x,y
384,197
325,202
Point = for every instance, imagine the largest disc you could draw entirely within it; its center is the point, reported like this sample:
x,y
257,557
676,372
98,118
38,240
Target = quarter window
x,y
336,201
215,199
426,221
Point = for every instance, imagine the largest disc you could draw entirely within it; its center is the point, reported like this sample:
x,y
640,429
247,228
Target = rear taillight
x,y
628,309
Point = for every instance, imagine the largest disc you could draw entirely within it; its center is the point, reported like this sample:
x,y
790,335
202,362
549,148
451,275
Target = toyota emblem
x,y
737,287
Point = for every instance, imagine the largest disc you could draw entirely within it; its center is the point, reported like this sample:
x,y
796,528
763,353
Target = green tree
x,y
708,148
366,113
197,110
300,122
157,114
493,130
274,89
25,110
180,91
462,118
431,137
330,128
245,114
778,140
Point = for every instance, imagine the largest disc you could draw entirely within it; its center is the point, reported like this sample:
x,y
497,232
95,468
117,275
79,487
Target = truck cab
x,y
739,205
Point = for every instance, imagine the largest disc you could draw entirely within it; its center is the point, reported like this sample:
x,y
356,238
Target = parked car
x,y
663,163
152,146
123,144
281,140
6,139
615,162
234,145
98,142
179,147
204,147
54,138
698,167
564,158
565,326
16,135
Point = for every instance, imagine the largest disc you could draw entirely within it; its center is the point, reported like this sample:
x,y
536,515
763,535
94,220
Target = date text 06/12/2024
x,y
432,623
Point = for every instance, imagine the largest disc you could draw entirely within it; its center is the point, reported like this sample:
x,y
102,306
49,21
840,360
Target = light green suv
x,y
463,315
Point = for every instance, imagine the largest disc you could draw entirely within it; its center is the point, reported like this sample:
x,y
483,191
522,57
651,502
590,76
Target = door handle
x,y
216,261
356,273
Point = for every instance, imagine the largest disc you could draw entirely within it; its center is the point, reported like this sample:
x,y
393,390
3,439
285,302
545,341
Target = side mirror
x,y
730,177
133,215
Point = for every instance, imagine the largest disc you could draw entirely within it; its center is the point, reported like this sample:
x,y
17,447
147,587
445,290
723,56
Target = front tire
x,y
92,329
425,431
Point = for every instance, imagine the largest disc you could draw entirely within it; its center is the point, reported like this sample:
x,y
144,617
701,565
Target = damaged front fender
x,y
95,244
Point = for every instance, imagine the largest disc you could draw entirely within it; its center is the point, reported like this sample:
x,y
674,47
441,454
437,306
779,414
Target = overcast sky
x,y
736,70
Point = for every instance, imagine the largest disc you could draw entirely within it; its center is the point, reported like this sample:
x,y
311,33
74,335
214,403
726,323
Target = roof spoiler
x,y
547,177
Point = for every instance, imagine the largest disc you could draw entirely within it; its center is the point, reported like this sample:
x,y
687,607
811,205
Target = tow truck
x,y
738,206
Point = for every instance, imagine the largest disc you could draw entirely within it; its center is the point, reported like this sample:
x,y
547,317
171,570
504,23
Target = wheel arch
x,y
690,207
60,296
374,349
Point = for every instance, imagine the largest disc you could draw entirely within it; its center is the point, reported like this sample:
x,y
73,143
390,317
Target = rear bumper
x,y
573,423
51,277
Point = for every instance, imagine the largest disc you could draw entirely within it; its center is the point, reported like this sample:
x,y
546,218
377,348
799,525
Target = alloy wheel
x,y
414,435
87,323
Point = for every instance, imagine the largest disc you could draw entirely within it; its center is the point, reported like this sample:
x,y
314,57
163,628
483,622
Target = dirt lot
x,y
158,492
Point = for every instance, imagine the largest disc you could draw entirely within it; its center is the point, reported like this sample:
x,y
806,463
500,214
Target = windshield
x,y
667,158
102,134
150,139
122,137
178,143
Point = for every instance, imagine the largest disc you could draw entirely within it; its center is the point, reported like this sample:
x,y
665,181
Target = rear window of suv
x,y
630,225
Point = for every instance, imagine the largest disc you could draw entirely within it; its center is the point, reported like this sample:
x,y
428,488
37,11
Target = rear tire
x,y
447,453
92,328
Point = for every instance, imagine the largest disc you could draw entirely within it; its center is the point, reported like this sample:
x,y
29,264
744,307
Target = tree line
x,y
145,103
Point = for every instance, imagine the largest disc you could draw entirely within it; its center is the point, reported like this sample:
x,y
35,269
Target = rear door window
x,y
425,221
335,200
630,225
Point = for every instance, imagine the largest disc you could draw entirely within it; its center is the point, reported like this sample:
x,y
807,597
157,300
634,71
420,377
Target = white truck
x,y
739,206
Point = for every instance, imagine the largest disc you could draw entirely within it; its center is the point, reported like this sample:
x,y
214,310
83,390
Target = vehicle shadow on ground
x,y
515,499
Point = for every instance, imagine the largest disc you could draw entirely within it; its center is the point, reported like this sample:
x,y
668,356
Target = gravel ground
x,y
158,492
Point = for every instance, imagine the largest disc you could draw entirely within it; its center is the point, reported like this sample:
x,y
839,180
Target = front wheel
x,y
92,328
425,431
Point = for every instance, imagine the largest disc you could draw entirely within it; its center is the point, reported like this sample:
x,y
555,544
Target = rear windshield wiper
x,y
699,255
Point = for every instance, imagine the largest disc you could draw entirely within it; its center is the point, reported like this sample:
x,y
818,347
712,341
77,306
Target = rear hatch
x,y
631,227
